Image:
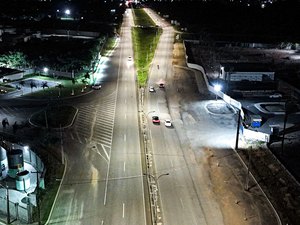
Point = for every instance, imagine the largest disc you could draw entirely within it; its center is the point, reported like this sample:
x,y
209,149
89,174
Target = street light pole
x,y
154,194
150,112
238,130
248,169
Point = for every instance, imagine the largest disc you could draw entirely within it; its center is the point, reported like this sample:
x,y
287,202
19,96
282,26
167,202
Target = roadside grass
x,y
54,116
47,196
145,40
64,90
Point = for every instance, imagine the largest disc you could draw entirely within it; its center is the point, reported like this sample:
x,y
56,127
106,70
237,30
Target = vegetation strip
x,y
145,37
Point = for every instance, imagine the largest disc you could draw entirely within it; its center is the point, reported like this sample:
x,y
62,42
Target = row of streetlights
x,y
150,177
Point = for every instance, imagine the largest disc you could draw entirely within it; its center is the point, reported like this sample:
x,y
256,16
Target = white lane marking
x,y
125,137
125,116
96,150
106,182
81,212
172,163
124,166
78,138
102,222
125,101
181,203
123,210
105,152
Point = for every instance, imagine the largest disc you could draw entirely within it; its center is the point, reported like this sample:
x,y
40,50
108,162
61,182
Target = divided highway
x,y
103,183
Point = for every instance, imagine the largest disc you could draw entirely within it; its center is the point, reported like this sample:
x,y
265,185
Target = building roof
x,y
7,71
246,67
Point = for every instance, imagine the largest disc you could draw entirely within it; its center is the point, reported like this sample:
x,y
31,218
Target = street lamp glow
x,y
67,12
218,87
45,70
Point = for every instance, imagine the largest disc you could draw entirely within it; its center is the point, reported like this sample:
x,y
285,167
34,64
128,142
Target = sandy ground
x,y
204,123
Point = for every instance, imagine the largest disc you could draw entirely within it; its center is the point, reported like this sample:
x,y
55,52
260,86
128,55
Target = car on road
x,y
161,85
276,95
155,120
129,59
151,89
168,123
96,86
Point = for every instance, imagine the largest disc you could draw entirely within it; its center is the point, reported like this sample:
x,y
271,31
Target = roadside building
x,y
231,72
7,74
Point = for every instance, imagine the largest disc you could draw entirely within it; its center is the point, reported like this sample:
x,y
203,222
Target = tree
x,y
44,85
32,85
87,75
13,60
60,86
84,81
73,83
22,83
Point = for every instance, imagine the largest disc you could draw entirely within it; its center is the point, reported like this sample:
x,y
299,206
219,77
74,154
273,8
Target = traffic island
x,y
54,117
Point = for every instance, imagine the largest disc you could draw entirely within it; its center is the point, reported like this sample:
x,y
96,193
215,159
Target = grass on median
x,y
141,18
145,40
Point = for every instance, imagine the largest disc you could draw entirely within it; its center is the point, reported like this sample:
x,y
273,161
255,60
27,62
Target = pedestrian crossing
x,y
8,111
94,123
13,114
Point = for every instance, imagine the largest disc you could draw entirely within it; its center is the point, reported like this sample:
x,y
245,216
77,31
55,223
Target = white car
x,y
275,95
96,86
151,89
168,123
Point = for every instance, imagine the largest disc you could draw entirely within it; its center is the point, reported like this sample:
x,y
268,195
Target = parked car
x,y
151,89
161,85
168,123
155,120
96,86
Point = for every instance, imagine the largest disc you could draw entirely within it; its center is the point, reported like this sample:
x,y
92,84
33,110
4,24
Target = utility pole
x,y
7,203
37,196
248,169
238,131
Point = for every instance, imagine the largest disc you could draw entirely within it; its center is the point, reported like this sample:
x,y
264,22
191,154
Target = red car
x,y
155,120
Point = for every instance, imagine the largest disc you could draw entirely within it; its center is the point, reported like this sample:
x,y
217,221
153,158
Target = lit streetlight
x,y
217,88
67,12
46,70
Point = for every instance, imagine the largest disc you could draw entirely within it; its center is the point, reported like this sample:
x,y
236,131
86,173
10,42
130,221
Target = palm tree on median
x,y
60,86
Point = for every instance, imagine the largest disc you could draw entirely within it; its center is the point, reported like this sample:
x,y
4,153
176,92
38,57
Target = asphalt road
x,y
103,182
183,199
